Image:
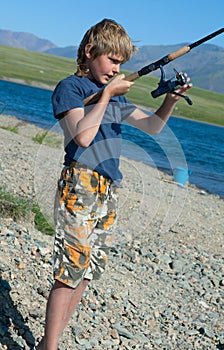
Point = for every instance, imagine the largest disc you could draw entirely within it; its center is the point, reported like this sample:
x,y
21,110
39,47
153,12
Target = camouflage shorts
x,y
85,214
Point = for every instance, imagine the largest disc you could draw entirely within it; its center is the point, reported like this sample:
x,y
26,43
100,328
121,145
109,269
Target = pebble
x,y
163,289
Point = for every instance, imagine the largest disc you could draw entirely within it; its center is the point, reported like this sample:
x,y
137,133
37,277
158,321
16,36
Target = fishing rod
x,y
164,85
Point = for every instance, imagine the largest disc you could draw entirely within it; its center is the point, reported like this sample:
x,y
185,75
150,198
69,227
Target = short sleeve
x,y
66,96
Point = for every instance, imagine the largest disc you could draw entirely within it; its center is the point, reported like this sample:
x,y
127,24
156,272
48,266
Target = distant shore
x,y
51,88
33,84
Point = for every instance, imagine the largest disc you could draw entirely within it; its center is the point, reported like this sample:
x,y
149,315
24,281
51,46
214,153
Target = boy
x,y
86,201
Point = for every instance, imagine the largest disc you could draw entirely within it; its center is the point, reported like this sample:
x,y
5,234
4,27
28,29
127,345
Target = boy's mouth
x,y
108,77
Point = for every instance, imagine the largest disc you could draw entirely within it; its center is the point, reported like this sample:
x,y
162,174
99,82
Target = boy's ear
x,y
88,48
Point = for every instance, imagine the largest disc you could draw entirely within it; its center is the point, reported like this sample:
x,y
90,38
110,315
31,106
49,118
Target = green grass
x,y
14,207
33,67
48,138
18,208
38,68
10,128
39,137
40,221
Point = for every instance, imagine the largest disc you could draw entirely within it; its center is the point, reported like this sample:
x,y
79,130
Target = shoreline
x,y
33,129
49,88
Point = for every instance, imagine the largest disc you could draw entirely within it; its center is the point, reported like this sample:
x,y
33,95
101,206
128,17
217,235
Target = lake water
x,y
197,146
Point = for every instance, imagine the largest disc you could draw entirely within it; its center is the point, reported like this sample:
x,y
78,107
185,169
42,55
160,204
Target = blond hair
x,y
106,37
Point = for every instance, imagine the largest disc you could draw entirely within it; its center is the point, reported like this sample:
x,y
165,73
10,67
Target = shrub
x,y
19,208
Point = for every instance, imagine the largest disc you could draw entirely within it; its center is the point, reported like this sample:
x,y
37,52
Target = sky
x,y
148,22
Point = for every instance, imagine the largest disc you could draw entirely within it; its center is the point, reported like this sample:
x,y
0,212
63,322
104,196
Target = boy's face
x,y
104,67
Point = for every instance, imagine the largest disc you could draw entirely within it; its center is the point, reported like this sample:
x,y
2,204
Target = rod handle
x,y
180,52
132,76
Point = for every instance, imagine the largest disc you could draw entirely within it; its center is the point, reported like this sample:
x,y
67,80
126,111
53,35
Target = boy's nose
x,y
116,68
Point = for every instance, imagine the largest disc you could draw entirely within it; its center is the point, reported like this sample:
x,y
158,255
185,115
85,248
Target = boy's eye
x,y
115,61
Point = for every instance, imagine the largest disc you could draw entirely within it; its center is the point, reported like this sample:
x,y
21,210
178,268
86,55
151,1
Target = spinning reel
x,y
171,85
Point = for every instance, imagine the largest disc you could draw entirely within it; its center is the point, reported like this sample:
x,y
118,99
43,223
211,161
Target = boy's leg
x,y
62,303
76,228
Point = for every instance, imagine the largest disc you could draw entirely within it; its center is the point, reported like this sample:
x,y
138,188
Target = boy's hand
x,y
118,86
181,90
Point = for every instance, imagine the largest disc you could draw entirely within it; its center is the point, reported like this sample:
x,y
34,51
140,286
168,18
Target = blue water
x,y
197,146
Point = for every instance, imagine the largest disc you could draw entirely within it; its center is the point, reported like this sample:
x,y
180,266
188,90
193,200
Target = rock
x,y
123,331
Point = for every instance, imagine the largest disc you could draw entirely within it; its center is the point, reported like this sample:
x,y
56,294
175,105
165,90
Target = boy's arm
x,y
84,125
154,124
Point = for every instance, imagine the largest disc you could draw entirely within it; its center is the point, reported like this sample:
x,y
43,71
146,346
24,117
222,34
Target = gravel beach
x,y
164,286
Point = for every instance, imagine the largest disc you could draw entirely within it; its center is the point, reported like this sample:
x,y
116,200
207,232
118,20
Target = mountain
x,y
205,64
25,41
68,51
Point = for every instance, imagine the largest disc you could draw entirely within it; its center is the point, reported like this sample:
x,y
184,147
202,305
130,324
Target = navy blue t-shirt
x,y
103,153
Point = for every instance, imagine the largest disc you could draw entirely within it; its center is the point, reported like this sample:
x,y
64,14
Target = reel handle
x,y
169,86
